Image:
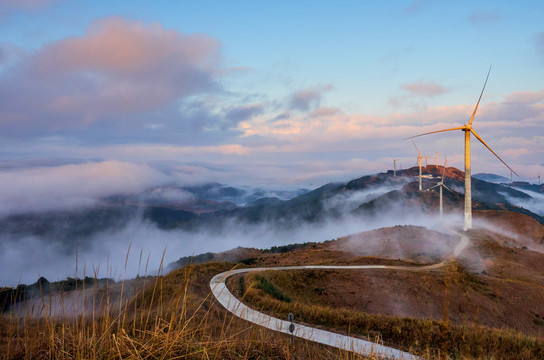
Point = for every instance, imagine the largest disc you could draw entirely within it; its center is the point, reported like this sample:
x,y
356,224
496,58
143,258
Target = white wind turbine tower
x,y
442,185
467,128
395,167
419,157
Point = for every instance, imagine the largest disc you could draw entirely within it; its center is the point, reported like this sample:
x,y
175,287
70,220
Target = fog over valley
x,y
105,213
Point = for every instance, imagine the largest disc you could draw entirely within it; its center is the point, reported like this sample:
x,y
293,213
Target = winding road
x,y
344,342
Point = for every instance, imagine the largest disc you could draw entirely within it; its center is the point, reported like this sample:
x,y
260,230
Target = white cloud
x,y
72,186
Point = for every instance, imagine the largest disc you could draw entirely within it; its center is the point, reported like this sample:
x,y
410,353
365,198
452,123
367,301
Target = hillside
x,y
494,277
490,296
496,282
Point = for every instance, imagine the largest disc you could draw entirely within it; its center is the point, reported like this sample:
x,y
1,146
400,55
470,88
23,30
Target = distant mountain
x,y
527,186
69,227
497,179
238,196
213,205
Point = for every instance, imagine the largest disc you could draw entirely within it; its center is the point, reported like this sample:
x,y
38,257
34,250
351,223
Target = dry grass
x,y
166,317
431,339
175,317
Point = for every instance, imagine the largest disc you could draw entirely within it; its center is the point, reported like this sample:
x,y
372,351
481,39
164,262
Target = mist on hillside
x,y
124,243
142,244
535,204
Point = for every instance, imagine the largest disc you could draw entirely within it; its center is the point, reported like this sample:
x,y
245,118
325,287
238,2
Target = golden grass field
x,y
456,312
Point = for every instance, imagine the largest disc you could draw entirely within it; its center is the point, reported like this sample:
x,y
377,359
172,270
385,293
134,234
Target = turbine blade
x,y
416,147
432,187
448,188
478,103
494,153
437,131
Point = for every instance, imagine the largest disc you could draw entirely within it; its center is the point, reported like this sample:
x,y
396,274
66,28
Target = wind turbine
x,y
467,128
442,185
419,157
395,167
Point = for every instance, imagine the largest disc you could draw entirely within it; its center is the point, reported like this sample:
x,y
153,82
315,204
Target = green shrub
x,y
270,289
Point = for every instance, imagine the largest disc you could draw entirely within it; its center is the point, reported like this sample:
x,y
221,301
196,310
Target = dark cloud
x,y
242,113
308,99
282,116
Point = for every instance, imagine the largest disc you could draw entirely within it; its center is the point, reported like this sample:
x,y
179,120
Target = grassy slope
x,y
173,316
489,300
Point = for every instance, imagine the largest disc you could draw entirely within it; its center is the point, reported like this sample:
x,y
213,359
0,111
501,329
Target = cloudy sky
x,y
98,97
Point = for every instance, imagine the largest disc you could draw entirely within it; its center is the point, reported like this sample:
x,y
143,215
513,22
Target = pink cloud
x,y
325,111
525,97
340,132
118,67
424,88
121,47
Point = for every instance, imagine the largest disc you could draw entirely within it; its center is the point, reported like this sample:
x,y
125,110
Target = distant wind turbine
x,y
467,128
395,167
419,157
442,185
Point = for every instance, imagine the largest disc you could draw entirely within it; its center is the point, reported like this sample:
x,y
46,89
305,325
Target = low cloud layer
x,y
535,204
73,186
107,252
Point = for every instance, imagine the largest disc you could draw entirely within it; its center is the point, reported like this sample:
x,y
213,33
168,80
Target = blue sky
x,y
276,94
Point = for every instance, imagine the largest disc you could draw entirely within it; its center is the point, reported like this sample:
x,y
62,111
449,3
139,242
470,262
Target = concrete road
x,y
363,347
